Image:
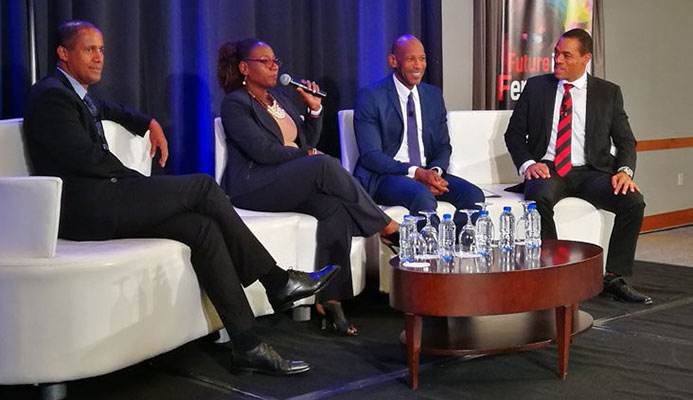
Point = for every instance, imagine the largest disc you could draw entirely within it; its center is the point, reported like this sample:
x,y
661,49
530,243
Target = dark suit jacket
x,y
529,130
254,141
62,140
379,128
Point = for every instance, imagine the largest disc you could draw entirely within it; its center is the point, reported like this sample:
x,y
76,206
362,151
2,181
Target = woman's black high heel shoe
x,y
333,314
391,241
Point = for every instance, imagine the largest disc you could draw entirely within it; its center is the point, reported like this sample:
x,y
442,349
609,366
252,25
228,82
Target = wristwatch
x,y
627,170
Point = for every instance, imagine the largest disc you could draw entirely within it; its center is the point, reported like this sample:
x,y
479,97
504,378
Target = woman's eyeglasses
x,y
268,62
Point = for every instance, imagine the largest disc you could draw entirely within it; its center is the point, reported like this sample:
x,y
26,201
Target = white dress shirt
x,y
577,140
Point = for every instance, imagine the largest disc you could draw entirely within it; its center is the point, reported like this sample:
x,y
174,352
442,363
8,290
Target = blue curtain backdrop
x,y
161,54
14,58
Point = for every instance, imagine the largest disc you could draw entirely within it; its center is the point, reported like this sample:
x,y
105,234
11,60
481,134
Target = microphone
x,y
286,80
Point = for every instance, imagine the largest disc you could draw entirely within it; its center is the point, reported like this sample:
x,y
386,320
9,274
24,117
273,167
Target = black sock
x,y
245,341
610,276
275,279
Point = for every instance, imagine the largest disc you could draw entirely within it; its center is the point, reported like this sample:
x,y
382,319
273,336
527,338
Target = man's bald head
x,y
402,41
408,59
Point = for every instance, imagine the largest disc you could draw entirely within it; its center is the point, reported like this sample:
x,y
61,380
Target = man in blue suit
x,y
402,134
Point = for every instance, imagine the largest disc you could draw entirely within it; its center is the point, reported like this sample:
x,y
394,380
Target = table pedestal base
x,y
492,334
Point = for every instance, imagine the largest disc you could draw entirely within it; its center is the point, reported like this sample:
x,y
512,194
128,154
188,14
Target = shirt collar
x,y
403,91
580,83
78,88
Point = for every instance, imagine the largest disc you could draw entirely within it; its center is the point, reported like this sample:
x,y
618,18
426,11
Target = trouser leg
x,y
294,183
399,190
194,210
320,187
462,194
595,187
146,202
333,243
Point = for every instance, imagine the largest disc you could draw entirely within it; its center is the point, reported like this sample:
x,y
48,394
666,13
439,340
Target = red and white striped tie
x,y
562,160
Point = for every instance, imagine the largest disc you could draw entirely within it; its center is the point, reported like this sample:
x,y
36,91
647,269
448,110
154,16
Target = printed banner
x,y
531,29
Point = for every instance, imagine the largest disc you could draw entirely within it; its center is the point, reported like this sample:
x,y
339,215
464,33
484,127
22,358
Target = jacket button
x,y
114,180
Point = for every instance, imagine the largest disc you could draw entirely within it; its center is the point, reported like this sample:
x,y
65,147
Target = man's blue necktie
x,y
95,114
412,133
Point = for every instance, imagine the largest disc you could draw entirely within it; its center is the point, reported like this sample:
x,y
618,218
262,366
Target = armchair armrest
x,y
29,216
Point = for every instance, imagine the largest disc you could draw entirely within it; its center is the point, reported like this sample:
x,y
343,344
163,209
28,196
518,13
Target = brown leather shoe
x,y
620,290
266,360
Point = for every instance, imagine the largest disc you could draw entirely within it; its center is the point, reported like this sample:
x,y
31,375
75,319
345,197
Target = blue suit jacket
x,y
379,129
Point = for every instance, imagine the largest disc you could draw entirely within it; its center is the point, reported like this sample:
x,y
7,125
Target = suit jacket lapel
x,y
425,134
90,126
590,111
550,96
394,100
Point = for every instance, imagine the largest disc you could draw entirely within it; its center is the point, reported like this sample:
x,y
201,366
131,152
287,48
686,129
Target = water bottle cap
x,y
507,208
447,216
483,212
532,206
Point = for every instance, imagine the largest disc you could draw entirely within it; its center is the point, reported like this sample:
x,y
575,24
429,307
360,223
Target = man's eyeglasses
x,y
268,62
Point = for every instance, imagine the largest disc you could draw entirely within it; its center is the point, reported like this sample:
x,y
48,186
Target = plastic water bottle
x,y
406,252
506,226
484,233
532,227
446,237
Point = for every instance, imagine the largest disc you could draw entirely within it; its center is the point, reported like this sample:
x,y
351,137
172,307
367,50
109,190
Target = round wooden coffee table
x,y
504,303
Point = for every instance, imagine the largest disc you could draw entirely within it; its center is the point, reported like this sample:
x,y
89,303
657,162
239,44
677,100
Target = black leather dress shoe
x,y
300,286
620,290
266,360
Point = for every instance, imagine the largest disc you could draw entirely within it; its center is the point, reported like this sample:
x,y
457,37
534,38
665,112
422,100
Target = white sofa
x,y
479,155
71,310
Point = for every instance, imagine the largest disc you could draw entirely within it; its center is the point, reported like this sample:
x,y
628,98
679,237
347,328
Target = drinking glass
x,y
416,240
520,226
430,237
484,205
467,235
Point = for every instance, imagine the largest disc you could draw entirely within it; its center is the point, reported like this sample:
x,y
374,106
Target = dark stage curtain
x,y
161,54
15,76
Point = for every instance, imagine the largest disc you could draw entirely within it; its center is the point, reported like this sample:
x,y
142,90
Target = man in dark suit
x,y
560,137
102,199
402,134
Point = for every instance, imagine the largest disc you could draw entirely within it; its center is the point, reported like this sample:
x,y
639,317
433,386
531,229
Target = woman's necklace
x,y
275,109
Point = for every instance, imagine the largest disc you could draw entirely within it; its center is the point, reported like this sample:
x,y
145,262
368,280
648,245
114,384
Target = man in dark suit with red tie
x,y
560,137
102,199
